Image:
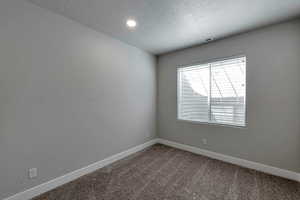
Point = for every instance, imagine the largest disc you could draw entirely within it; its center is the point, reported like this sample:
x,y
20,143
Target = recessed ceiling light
x,y
131,23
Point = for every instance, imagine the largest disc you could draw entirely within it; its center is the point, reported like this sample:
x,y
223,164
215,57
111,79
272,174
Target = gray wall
x,y
68,96
272,136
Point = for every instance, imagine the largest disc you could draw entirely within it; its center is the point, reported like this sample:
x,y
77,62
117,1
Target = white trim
x,y
237,161
45,187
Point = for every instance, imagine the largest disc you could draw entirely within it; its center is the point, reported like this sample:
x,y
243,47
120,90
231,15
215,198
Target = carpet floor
x,y
165,173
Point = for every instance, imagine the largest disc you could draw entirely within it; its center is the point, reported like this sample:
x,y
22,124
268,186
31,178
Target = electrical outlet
x,y
32,173
204,141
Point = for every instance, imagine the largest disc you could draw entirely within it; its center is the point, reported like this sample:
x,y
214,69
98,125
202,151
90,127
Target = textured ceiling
x,y
167,25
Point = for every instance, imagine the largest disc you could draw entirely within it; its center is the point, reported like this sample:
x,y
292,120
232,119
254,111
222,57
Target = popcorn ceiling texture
x,y
165,173
168,25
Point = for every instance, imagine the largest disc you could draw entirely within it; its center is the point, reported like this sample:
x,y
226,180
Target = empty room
x,y
149,100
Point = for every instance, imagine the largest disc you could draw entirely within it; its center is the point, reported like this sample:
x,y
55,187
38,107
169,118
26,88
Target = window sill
x,y
213,124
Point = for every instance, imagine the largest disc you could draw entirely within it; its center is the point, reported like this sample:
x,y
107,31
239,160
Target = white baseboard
x,y
237,161
45,187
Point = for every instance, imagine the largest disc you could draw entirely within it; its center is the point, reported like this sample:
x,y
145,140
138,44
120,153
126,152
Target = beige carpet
x,y
164,173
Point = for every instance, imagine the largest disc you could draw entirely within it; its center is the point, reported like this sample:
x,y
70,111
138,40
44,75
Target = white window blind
x,y
213,92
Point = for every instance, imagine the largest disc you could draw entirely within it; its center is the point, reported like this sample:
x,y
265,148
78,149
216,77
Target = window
x,y
214,92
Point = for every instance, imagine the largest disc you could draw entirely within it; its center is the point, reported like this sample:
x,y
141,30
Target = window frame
x,y
208,62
